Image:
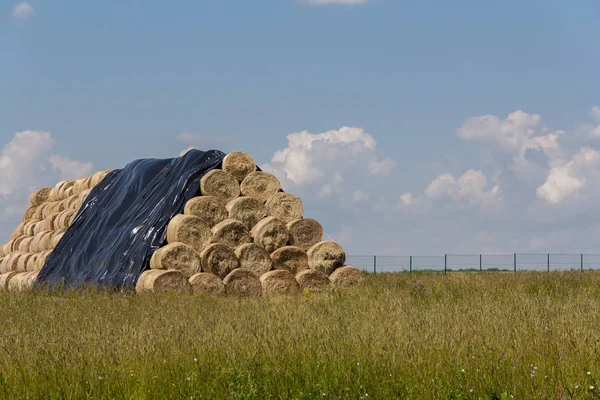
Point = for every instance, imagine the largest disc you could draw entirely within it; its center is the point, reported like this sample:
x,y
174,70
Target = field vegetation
x,y
421,336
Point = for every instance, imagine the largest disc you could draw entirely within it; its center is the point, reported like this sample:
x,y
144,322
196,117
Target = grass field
x,y
460,336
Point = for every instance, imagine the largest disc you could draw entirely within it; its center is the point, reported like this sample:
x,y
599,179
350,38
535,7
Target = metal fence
x,y
477,262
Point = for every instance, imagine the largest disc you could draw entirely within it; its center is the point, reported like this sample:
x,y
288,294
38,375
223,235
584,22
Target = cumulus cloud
x,y
470,188
22,10
68,168
200,141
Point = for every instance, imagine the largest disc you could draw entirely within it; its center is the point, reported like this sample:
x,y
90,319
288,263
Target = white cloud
x,y
470,188
22,10
343,2
325,191
70,169
595,113
200,141
360,196
383,167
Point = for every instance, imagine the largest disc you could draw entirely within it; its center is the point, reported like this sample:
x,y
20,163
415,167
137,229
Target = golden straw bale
x,y
208,208
260,185
23,260
270,233
2,254
30,280
18,231
42,258
177,256
7,247
254,258
29,213
207,284
326,257
17,242
40,196
239,165
219,259
5,279
79,186
219,184
279,282
62,190
231,233
13,261
64,221
25,244
22,281
162,281
346,277
29,226
38,213
49,223
313,280
41,242
242,282
40,227
246,209
290,258
287,207
55,238
32,262
3,262
72,202
305,232
83,196
190,230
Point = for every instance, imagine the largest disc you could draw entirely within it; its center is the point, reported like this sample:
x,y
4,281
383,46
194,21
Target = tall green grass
x,y
460,336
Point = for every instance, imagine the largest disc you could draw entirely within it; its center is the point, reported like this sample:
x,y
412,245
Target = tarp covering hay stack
x,y
206,222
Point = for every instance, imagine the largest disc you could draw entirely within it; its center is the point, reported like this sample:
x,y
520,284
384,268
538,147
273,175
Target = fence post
x,y
548,262
582,262
515,262
480,269
445,263
374,264
410,266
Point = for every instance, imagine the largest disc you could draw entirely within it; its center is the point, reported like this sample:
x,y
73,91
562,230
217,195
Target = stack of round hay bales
x,y
242,235
50,213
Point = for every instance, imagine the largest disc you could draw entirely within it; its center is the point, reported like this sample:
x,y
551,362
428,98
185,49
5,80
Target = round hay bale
x,y
7,248
2,254
41,226
22,282
72,202
313,281
290,258
29,226
246,209
41,242
40,196
305,232
23,261
49,223
208,208
231,233
37,214
207,283
42,258
17,242
285,206
346,277
219,259
270,233
29,280
260,185
13,261
190,230
5,279
242,282
98,177
163,281
68,193
176,256
3,261
238,165
326,257
55,238
79,186
64,221
254,258
83,196
18,231
32,262
62,190
25,244
53,193
219,184
279,282
29,213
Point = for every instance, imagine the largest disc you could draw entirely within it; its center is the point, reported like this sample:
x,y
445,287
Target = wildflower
x,y
462,370
188,378
576,386
100,378
589,373
357,363
195,360
471,391
591,388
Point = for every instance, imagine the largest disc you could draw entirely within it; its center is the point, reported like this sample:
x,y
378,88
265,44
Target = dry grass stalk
x,y
190,230
260,185
207,284
290,258
246,209
238,165
231,233
243,283
305,232
161,281
220,184
326,257
176,256
279,282
254,258
270,233
285,206
347,277
208,208
313,281
5,278
219,259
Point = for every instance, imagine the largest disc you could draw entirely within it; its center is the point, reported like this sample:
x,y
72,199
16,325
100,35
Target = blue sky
x,y
111,82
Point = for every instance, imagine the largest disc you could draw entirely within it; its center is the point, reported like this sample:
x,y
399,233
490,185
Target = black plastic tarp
x,y
123,221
